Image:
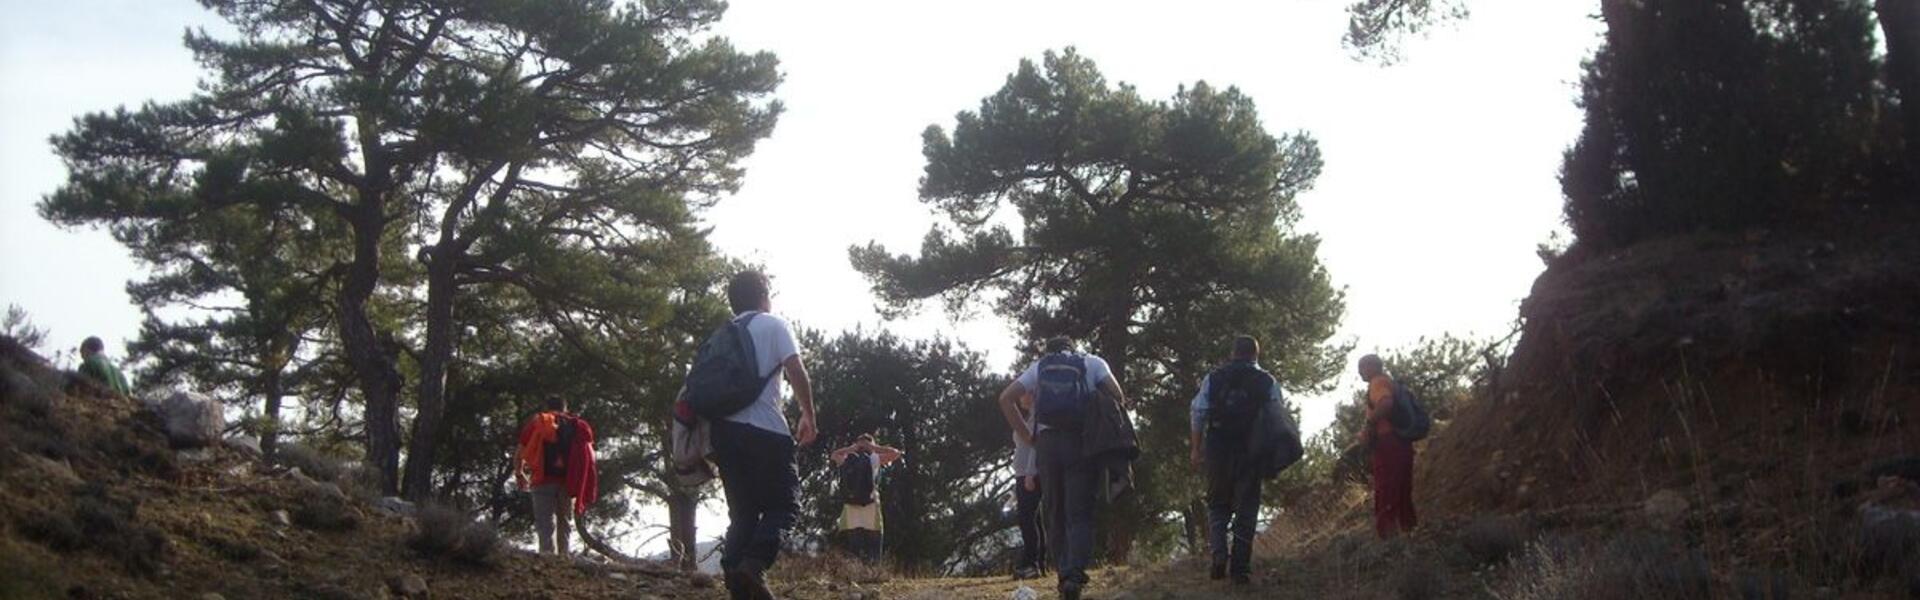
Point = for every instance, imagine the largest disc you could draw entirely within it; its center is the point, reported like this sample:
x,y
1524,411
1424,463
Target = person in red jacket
x,y
555,460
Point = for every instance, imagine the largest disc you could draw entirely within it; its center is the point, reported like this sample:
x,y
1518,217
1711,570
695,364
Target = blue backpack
x,y
1063,400
726,378
1409,417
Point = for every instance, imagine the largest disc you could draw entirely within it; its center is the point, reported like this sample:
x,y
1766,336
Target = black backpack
x,y
553,455
1063,400
1409,417
856,479
1235,394
726,378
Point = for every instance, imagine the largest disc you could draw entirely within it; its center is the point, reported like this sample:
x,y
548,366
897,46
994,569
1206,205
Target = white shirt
x,y
772,345
1097,372
1025,463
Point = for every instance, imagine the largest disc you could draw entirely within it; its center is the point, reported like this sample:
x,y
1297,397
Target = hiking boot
x,y
1026,573
1070,590
748,581
1217,572
1242,579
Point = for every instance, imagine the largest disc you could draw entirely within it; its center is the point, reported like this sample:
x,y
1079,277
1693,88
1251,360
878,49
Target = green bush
x,y
442,532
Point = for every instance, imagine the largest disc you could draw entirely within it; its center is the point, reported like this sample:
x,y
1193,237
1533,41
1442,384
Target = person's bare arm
x,y
1009,408
1111,389
802,393
840,455
886,454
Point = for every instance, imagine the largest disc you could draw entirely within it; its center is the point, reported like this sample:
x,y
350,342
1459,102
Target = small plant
x,y
443,532
1493,540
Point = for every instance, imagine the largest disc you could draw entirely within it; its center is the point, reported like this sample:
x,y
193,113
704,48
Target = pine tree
x,y
1153,230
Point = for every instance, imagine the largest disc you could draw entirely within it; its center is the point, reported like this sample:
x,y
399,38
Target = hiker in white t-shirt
x,y
862,527
754,448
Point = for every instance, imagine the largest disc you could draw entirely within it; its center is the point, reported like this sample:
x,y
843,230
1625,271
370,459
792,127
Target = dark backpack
x,y
1235,394
553,456
1063,400
856,479
726,378
1409,418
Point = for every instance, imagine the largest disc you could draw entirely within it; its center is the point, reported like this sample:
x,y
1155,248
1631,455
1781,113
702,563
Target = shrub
x,y
1762,585
1417,579
443,532
311,462
113,528
324,512
1634,565
53,530
1494,539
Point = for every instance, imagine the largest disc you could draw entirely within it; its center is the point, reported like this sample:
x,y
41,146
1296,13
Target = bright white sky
x,y
1440,171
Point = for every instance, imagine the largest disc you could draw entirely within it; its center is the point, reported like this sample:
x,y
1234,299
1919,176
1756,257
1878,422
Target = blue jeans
x,y
762,489
1233,505
1067,484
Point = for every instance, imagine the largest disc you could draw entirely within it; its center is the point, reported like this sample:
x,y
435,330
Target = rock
x,y
246,444
1024,593
1666,509
192,420
395,505
617,576
281,518
322,487
700,580
196,456
408,586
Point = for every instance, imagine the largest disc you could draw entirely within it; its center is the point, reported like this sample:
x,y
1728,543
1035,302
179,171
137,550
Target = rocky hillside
x,y
95,502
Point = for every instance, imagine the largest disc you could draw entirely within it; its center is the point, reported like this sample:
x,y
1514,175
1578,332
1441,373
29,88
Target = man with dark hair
x,y
556,462
862,529
1392,456
754,448
94,365
1223,416
1065,385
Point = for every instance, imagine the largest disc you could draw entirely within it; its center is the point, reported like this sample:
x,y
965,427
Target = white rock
x,y
192,420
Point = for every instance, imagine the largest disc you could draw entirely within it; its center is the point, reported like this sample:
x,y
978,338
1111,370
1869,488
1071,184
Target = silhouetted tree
x,y
935,400
532,144
1153,230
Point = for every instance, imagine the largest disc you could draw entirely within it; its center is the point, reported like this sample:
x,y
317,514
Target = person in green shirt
x,y
94,365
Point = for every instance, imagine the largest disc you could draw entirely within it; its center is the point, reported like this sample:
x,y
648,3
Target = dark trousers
x,y
1233,506
864,544
1033,546
1392,485
1067,484
758,477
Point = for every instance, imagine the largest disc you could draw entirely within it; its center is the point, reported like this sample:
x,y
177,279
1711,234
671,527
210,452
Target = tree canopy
x,y
1155,230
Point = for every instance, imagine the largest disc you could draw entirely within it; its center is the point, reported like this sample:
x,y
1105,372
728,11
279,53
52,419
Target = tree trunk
x,y
433,375
683,539
1900,25
379,380
272,389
